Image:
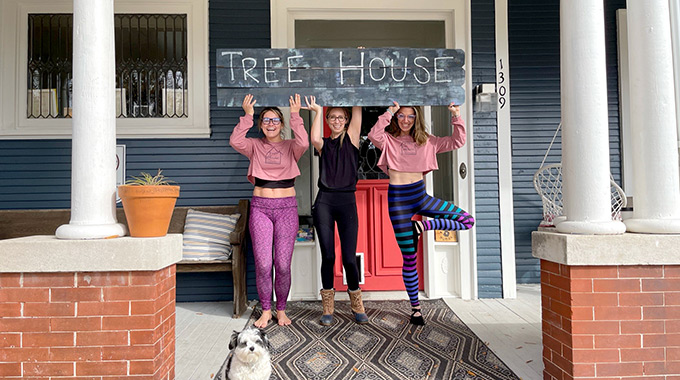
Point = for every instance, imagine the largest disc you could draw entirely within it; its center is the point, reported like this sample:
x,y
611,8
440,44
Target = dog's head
x,y
250,345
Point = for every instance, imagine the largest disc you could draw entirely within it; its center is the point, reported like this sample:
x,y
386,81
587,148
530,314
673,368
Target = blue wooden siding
x,y
232,24
487,209
211,173
36,173
535,110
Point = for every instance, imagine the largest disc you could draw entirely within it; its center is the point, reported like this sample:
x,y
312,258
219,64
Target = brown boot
x,y
357,306
328,302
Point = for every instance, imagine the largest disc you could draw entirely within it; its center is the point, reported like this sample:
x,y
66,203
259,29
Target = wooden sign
x,y
341,77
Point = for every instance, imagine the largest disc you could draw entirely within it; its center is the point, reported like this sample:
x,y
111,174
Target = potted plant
x,y
148,202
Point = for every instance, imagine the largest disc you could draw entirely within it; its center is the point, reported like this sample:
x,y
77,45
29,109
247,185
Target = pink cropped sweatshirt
x,y
271,161
403,154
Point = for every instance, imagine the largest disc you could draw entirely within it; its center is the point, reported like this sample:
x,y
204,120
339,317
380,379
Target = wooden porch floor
x,y
511,328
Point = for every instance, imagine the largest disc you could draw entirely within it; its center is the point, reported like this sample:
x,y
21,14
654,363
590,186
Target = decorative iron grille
x,y
151,65
369,154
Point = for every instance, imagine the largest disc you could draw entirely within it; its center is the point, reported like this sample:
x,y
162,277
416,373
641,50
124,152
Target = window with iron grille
x,y
151,66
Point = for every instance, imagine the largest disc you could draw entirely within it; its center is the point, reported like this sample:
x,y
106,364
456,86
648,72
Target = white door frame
x,y
456,17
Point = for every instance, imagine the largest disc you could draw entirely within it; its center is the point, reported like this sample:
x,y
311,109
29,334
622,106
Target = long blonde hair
x,y
417,132
348,117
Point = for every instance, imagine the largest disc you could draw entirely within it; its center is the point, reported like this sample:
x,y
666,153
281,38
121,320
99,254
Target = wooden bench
x,y
19,223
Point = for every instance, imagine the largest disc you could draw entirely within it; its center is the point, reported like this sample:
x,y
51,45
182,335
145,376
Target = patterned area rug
x,y
387,348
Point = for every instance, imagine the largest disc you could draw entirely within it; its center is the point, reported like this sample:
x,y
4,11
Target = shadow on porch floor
x,y
511,328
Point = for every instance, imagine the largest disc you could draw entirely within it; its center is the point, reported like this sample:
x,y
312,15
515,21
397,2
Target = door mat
x,y
386,348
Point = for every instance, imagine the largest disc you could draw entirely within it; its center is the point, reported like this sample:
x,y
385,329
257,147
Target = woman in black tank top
x,y
336,202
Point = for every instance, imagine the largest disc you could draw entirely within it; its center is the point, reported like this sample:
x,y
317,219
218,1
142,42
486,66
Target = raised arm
x,y
458,136
298,127
238,139
377,133
315,130
354,128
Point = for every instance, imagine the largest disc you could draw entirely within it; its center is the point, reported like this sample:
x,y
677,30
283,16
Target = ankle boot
x,y
357,306
328,302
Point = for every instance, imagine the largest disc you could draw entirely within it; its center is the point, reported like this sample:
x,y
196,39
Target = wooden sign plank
x,y
341,77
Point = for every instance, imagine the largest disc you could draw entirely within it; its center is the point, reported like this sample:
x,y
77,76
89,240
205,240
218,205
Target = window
x,y
151,64
161,68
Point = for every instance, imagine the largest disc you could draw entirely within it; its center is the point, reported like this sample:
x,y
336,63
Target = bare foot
x,y
264,319
283,319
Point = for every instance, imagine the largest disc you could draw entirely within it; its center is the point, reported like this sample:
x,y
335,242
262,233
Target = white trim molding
x,y
14,123
507,218
456,17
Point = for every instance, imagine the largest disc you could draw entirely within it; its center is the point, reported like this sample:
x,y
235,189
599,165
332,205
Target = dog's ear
x,y
234,340
265,340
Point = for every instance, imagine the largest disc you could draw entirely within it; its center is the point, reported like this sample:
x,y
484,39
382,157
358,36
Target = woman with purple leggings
x,y
273,210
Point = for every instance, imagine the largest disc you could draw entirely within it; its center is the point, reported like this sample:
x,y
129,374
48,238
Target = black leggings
x,y
329,209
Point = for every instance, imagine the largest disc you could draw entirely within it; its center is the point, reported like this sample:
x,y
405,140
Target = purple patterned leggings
x,y
273,223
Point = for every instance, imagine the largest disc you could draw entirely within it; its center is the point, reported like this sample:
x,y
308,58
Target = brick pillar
x,y
85,325
88,309
610,321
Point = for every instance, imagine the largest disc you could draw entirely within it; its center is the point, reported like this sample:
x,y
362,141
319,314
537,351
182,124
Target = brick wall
x,y
104,325
611,322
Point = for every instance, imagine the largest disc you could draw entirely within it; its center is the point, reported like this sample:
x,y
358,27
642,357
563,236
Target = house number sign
x,y
502,90
341,77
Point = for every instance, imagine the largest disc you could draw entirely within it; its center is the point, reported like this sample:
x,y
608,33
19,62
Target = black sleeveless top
x,y
338,165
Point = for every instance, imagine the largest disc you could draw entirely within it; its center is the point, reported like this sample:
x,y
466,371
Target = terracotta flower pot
x,y
148,209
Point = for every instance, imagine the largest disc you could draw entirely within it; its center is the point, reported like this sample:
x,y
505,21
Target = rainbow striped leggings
x,y
405,201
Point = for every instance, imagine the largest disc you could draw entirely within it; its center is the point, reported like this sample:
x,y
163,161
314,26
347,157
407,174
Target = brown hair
x,y
348,117
417,132
278,113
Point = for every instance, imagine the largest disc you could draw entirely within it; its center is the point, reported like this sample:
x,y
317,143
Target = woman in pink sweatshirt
x,y
408,153
273,209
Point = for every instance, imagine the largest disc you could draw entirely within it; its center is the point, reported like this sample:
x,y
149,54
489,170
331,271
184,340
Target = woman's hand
x,y
249,105
295,104
311,105
394,108
454,109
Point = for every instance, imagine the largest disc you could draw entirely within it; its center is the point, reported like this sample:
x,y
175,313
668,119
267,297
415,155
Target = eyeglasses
x,y
336,118
401,116
271,120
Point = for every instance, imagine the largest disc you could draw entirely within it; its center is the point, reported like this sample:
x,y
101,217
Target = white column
x,y
656,206
585,137
93,167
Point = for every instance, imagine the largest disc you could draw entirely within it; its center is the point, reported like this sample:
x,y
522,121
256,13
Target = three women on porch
x,y
408,152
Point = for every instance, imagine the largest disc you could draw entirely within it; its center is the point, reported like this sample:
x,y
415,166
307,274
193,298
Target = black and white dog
x,y
249,358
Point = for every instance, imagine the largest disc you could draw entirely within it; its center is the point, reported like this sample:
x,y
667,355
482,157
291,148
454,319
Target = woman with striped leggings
x,y
408,153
